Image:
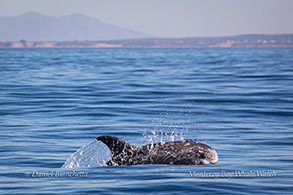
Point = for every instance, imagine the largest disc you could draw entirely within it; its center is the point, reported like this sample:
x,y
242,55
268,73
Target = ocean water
x,y
55,102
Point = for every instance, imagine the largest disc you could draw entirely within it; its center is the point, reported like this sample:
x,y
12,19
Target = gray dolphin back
x,y
116,145
175,152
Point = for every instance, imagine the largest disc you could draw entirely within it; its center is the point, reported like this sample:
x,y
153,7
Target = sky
x,y
172,18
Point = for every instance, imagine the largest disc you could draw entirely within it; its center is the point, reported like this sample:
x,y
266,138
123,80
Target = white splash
x,y
94,154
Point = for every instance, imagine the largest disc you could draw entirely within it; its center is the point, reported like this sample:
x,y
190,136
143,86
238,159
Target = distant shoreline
x,y
240,41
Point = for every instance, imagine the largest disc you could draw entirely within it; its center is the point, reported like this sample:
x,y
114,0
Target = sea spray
x,y
93,154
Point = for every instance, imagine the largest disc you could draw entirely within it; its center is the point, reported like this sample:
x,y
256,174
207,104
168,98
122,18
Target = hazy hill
x,y
33,26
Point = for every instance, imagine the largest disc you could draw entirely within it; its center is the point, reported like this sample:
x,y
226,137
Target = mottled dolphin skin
x,y
172,153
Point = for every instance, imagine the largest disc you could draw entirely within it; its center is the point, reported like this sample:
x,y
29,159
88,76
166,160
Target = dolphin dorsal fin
x,y
116,145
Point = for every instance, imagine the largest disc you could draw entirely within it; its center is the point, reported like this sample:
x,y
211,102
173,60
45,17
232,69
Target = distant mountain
x,y
33,26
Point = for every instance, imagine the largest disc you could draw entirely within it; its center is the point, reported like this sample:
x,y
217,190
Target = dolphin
x,y
172,153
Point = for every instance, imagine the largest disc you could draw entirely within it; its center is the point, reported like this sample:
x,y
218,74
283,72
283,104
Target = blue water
x,y
238,101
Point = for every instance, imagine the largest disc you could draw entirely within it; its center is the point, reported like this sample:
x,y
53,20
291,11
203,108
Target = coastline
x,y
240,41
